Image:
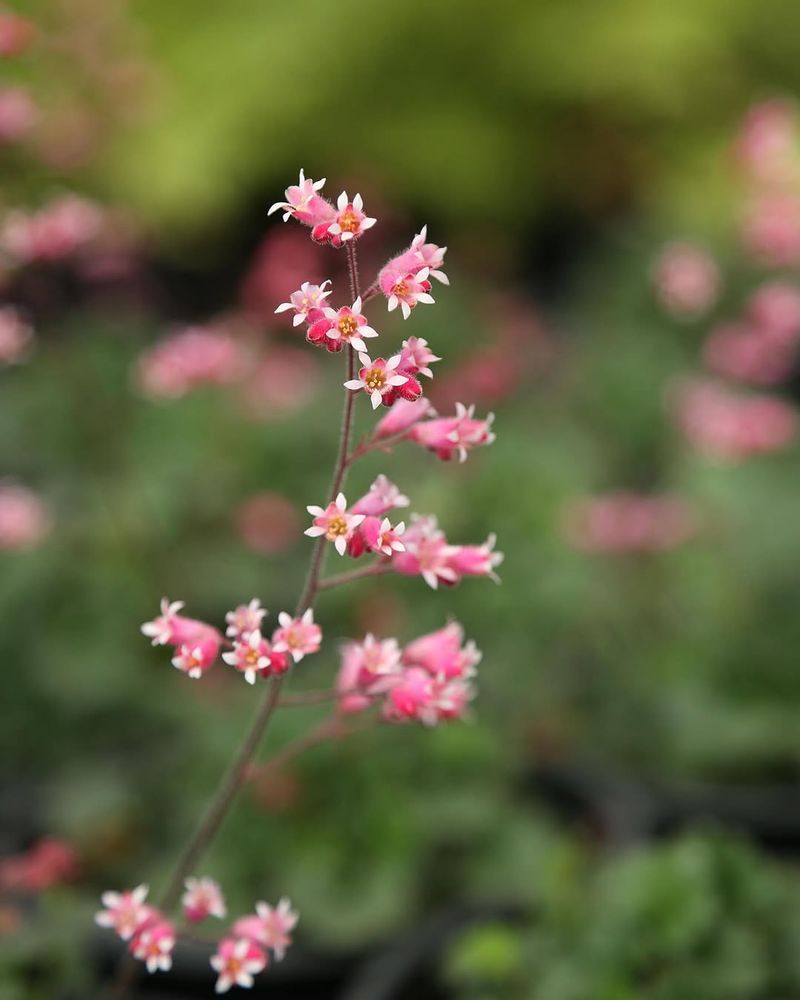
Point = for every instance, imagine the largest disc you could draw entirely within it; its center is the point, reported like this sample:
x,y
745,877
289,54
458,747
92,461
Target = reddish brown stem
x,y
374,569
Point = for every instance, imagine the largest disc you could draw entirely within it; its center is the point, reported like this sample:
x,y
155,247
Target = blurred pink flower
x,y
268,523
727,425
686,279
766,146
283,261
628,522
15,336
747,353
18,114
24,518
16,33
49,862
771,229
52,233
203,898
193,356
775,309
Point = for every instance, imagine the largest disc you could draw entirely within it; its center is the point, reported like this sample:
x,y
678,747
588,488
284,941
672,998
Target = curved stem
x,y
374,569
235,776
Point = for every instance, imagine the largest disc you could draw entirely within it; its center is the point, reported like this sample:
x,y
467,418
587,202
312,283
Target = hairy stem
x,y
236,774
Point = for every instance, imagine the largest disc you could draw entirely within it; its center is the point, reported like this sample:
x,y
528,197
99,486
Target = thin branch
x,y
374,569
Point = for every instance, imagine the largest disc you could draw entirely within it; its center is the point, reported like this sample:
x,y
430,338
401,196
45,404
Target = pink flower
x,y
775,310
254,656
53,233
16,33
628,522
335,522
15,336
428,255
411,697
686,279
270,927
245,619
416,357
448,436
24,518
297,636
772,229
203,898
350,221
747,354
342,326
170,628
125,912
767,142
380,536
48,862
193,356
402,415
427,553
476,560
724,425
267,523
405,289
236,962
441,653
197,656
307,302
284,381
303,203
18,114
381,497
154,946
367,665
377,378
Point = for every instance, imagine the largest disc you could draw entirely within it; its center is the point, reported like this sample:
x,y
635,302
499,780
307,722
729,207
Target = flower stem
x,y
236,774
374,569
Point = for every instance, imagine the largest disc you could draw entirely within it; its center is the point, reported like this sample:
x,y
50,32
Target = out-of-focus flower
x,y
377,378
18,114
203,898
335,522
254,657
197,644
771,229
416,357
727,425
747,354
16,33
628,522
236,962
267,523
193,356
154,945
198,655
245,619
284,381
54,232
16,336
283,260
686,279
429,554
381,497
298,637
767,144
24,518
49,862
443,653
775,309
402,415
125,912
270,927
457,435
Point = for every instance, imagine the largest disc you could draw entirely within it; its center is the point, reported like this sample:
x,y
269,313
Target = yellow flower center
x,y
400,288
376,379
347,326
337,526
348,221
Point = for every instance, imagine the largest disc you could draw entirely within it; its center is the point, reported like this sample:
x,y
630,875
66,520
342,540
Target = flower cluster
x,y
52,233
198,645
193,356
422,549
405,279
245,951
429,680
150,936
333,224
628,522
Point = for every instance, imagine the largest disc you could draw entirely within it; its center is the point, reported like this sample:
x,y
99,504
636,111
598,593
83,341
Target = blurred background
x,y
619,188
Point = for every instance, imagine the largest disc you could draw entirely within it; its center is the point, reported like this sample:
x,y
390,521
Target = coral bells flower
x,y
18,114
297,636
377,378
448,436
771,229
686,279
194,658
191,357
381,497
403,414
54,232
775,310
337,327
416,357
203,898
125,912
381,536
476,560
236,962
24,517
335,522
628,522
411,697
16,33
428,255
747,354
367,665
245,619
350,221
254,656
307,302
427,553
15,336
303,203
154,946
270,927
405,290
443,653
767,145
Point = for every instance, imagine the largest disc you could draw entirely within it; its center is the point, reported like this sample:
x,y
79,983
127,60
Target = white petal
x,y
354,383
368,223
342,201
375,398
285,619
398,380
298,319
314,531
358,202
341,501
315,510
406,309
429,300
283,307
340,545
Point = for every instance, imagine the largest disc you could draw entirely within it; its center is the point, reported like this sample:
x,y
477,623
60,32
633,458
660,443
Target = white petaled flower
x,y
249,656
350,219
244,619
203,898
277,922
377,378
124,911
154,947
236,963
297,636
306,298
334,522
160,629
298,197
